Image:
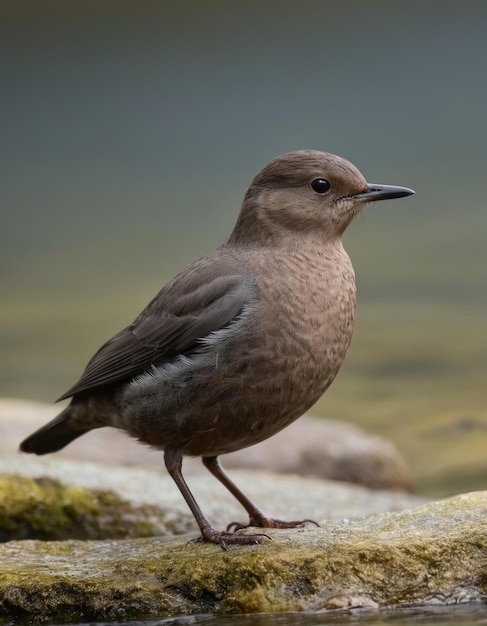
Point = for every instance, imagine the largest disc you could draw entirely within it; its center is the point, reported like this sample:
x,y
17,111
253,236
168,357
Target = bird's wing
x,y
205,297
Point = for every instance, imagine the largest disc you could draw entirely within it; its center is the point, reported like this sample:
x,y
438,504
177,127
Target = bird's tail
x,y
55,434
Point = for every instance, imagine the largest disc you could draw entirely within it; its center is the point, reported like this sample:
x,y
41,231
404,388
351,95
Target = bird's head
x,y
305,192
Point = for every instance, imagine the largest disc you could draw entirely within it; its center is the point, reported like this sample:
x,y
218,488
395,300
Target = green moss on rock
x,y
43,508
436,553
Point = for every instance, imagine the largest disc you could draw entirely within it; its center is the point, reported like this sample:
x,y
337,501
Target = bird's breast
x,y
307,314
290,350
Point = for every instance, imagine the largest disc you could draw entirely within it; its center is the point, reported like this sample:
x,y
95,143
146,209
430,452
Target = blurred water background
x,y
130,131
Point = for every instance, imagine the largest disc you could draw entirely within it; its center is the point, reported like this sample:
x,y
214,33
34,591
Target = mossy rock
x,y
436,553
43,508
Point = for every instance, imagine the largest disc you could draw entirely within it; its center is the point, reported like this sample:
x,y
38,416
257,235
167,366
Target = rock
x,y
327,449
309,447
53,498
436,553
44,508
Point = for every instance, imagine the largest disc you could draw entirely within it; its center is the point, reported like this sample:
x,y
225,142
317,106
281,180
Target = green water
x,y
131,131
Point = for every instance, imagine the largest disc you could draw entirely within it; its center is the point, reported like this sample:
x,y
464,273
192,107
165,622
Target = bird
x,y
242,342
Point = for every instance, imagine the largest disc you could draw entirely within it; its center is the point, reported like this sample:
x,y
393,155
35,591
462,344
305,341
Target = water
x,y
438,616
462,615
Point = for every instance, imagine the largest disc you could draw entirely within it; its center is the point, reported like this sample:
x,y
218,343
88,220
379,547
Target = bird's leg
x,y
257,517
173,461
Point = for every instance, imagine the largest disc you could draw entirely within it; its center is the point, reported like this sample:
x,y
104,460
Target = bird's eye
x,y
320,185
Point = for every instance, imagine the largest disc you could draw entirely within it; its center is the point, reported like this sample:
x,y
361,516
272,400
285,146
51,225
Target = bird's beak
x,y
382,192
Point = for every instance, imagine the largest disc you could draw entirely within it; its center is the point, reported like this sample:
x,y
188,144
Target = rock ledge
x,y
435,553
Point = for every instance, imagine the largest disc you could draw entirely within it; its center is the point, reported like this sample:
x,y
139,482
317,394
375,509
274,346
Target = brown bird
x,y
243,341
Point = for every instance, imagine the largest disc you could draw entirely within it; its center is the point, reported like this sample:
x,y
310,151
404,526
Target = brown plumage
x,y
243,341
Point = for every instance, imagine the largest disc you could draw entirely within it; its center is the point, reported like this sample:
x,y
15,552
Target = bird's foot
x,y
262,521
224,539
